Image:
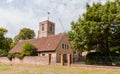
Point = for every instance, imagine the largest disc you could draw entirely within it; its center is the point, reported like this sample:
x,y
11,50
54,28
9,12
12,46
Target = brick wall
x,y
4,60
53,58
30,60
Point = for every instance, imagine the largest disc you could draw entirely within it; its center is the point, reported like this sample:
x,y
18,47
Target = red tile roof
x,y
49,43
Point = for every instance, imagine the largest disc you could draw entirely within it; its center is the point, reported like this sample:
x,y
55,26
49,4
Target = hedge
x,y
97,58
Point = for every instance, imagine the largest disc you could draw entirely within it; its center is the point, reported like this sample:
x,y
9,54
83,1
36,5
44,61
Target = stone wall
x,y
53,58
30,60
4,60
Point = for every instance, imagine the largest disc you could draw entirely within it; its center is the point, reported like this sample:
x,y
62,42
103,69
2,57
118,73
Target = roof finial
x,y
48,15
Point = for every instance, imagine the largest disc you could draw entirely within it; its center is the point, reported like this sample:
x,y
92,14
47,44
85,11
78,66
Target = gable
x,y
64,46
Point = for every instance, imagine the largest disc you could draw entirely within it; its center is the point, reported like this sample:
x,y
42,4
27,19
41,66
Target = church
x,y
56,47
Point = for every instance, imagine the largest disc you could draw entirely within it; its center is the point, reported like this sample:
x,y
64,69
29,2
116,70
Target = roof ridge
x,y
42,37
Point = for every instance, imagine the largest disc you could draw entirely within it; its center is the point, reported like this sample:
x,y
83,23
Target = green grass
x,y
53,69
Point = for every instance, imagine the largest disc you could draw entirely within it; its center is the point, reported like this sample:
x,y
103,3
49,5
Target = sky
x,y
17,14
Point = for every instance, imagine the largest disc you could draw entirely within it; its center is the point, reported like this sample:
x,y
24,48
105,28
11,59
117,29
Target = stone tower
x,y
46,28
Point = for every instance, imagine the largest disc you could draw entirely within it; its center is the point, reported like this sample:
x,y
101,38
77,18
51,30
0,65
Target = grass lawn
x,y
54,69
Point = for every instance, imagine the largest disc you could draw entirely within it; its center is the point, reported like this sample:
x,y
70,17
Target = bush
x,y
3,52
20,56
28,50
98,58
11,55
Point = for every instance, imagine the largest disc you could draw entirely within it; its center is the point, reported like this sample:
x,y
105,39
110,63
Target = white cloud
x,y
9,1
13,20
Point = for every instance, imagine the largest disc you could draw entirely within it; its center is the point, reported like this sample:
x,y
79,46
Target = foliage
x,y
3,52
20,56
28,49
24,34
8,42
2,38
99,58
11,55
13,44
98,28
5,42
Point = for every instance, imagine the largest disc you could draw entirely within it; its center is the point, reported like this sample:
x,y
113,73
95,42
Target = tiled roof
x,y
49,43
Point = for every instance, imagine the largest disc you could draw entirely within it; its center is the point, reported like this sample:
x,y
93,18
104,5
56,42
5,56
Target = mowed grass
x,y
54,69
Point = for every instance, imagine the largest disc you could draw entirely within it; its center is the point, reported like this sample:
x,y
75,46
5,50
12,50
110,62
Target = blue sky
x,y
17,14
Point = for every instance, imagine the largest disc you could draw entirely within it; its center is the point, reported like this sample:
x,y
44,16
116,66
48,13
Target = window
x,y
42,27
50,27
62,46
67,46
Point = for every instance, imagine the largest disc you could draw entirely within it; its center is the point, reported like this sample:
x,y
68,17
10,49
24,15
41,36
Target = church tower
x,y
46,28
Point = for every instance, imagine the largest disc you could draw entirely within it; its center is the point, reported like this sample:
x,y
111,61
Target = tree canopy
x,y
24,34
5,42
98,28
2,38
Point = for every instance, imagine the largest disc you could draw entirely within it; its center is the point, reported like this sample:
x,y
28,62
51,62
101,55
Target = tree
x,y
2,38
5,42
24,34
28,49
97,28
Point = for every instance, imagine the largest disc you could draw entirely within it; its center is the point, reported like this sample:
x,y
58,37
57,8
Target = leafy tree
x,y
28,49
2,38
115,40
5,42
24,34
98,28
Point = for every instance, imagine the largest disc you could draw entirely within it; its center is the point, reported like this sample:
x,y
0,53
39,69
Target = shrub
x,y
20,56
3,52
28,49
10,56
